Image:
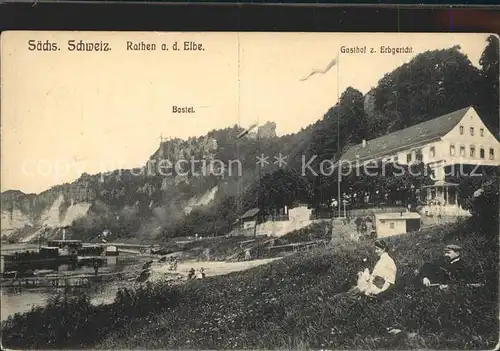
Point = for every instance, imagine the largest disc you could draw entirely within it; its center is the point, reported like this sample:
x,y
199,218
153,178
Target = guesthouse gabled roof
x,y
416,135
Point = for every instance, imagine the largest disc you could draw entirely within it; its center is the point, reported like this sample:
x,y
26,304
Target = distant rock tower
x,y
161,153
268,130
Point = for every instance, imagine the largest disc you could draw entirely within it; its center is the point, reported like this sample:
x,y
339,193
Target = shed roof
x,y
416,135
397,215
250,213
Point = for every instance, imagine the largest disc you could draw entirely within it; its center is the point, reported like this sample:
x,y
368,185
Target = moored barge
x,y
57,252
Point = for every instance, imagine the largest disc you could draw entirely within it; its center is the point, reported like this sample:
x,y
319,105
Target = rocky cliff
x,y
129,202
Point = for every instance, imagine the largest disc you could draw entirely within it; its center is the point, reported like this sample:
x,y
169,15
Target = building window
x,y
452,150
472,131
433,151
391,225
396,158
461,129
472,151
418,155
492,154
481,153
481,131
408,157
462,151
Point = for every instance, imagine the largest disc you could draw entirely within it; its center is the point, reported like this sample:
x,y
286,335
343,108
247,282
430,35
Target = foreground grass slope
x,y
288,304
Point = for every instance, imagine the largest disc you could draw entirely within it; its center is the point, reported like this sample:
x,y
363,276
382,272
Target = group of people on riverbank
x,y
173,265
192,274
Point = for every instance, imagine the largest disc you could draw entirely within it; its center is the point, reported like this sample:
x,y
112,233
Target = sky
x,y
68,112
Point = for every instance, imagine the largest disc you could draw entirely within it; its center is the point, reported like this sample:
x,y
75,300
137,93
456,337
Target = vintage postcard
x,y
239,190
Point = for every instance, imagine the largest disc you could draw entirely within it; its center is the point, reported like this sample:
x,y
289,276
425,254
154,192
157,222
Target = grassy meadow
x,y
288,304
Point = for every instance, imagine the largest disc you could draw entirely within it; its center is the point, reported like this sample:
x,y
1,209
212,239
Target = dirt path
x,y
211,268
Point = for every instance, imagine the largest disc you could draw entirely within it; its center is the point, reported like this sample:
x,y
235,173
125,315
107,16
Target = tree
x,y
484,206
283,187
432,84
489,91
479,193
386,182
377,123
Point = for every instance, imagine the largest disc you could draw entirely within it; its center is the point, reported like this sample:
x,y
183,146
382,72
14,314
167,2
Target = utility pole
x,y
258,188
338,133
41,236
255,226
335,61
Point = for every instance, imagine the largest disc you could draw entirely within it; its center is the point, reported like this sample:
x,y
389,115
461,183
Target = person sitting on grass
x,y
449,269
382,277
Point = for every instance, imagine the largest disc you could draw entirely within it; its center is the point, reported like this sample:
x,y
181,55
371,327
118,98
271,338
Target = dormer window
x,y
472,131
461,130
481,132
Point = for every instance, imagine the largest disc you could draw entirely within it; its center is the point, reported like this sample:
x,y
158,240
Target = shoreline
x,y
39,297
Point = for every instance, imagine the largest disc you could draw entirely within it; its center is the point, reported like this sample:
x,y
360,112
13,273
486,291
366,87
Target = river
x,y
14,300
22,301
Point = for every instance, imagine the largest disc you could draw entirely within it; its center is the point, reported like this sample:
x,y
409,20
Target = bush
x,y
314,231
72,321
484,205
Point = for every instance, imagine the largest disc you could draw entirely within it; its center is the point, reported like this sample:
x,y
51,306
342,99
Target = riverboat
x,y
45,258
57,252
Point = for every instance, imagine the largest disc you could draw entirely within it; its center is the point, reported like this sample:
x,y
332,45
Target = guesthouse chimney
x,y
364,143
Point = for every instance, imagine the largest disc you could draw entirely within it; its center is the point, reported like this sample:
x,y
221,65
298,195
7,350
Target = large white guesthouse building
x,y
457,138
